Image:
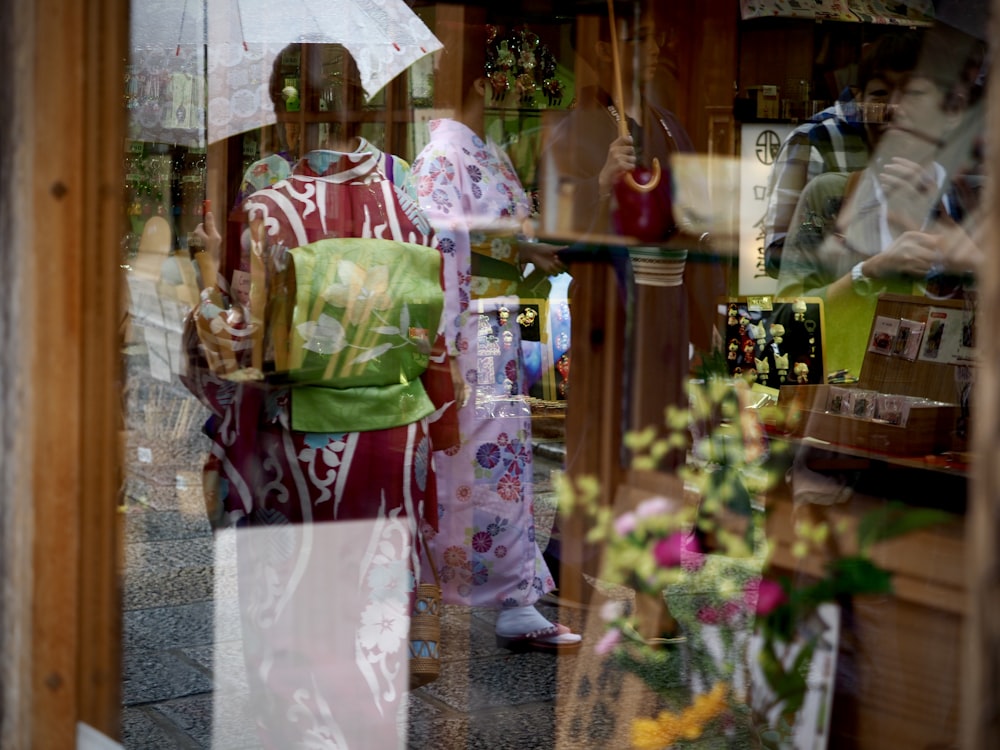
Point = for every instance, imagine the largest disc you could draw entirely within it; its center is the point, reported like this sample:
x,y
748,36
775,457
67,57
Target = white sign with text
x,y
759,144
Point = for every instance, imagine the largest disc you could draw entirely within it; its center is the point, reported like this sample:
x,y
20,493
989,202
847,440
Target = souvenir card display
x,y
888,408
948,336
775,342
896,337
907,343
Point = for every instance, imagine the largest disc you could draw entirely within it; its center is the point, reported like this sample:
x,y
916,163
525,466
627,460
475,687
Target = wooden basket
x,y
425,629
425,635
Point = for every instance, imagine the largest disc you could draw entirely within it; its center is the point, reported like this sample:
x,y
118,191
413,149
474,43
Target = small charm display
x,y
774,342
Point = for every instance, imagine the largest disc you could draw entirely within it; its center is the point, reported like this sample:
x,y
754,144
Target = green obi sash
x,y
364,317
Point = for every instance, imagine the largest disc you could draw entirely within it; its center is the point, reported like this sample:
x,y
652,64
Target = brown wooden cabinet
x,y
899,663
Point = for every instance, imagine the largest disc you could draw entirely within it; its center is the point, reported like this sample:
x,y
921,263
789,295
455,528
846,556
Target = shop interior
x,y
740,76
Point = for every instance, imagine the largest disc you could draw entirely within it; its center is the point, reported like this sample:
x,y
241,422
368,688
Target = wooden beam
x,y
981,658
74,408
57,255
99,617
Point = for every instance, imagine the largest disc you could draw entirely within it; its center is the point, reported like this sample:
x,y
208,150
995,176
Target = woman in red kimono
x,y
328,384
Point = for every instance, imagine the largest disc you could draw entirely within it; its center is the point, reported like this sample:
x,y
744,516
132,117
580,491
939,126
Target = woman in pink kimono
x,y
328,382
485,548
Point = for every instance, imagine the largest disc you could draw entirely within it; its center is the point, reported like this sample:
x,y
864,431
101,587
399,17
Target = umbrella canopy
x,y
165,78
385,37
178,45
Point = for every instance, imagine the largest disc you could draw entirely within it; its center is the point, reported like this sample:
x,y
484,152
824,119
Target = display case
x,y
912,395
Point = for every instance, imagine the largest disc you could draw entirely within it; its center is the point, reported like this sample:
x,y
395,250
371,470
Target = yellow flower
x,y
677,419
647,734
668,727
638,440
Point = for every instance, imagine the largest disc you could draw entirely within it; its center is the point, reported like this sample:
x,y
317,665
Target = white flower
x,y
479,285
625,524
384,626
612,609
500,248
323,336
391,583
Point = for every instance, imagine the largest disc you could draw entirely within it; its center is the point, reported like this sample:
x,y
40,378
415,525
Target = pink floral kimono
x,y
485,548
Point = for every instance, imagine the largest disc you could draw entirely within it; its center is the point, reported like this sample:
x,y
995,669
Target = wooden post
x,y
981,664
60,653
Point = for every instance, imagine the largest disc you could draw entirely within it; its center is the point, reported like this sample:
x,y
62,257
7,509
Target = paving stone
x,y
225,662
185,625
528,728
147,525
143,729
150,676
170,554
193,716
230,728
150,588
155,496
509,680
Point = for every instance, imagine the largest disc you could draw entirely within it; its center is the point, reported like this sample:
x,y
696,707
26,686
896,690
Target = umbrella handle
x,y
648,187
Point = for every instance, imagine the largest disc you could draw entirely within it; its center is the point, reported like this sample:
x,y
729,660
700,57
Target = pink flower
x,y
676,549
769,596
655,506
608,642
509,488
709,615
625,524
731,610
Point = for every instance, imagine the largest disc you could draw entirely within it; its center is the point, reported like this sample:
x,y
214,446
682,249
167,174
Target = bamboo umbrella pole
x,y
654,179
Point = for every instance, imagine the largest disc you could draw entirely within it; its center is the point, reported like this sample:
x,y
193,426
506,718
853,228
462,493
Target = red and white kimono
x,y
326,386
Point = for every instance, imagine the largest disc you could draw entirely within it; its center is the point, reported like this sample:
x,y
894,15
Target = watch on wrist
x,y
862,284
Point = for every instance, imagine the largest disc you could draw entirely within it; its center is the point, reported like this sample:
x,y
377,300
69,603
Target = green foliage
x,y
731,463
894,520
713,365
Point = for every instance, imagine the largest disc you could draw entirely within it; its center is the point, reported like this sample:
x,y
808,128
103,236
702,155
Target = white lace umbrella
x,y
179,45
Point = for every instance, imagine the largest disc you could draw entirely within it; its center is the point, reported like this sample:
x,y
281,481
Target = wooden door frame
x,y
61,545
980,675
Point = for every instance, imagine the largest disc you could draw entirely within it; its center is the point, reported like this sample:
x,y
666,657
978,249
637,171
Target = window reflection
x,y
352,320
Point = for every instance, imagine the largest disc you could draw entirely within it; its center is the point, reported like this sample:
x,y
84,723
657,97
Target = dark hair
x,y
625,10
896,52
277,81
311,70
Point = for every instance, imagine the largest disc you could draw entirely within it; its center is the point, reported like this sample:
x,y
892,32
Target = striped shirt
x,y
832,141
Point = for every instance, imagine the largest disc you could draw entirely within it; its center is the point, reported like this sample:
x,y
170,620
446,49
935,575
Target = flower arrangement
x,y
693,607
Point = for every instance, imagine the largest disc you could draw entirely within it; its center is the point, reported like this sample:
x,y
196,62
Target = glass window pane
x,y
644,334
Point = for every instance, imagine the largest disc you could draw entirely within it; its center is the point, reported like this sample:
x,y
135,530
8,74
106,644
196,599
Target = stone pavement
x,y
486,697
